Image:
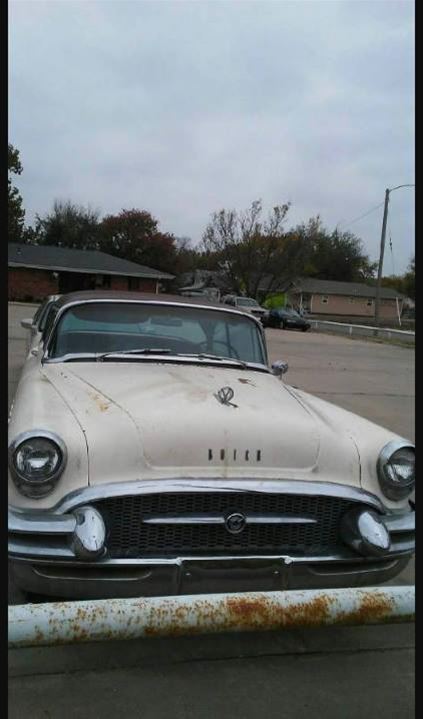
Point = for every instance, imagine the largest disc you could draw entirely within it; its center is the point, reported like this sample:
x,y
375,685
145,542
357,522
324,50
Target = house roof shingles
x,y
49,257
332,287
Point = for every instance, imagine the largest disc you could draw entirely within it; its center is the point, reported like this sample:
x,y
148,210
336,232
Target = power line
x,y
360,217
392,252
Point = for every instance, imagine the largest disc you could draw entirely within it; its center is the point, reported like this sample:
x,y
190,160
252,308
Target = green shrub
x,y
274,301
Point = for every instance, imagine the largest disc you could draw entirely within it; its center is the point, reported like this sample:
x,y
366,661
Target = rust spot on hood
x,y
243,380
102,404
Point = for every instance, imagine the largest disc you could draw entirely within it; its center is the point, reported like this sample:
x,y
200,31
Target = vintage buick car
x,y
153,451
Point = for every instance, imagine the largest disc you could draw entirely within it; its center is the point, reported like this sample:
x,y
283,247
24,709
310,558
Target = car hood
x,y
146,419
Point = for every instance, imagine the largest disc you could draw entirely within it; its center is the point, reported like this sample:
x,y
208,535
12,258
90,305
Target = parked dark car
x,y
286,319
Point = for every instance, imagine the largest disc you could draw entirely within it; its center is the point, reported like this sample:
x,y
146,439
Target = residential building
x,y
352,299
36,271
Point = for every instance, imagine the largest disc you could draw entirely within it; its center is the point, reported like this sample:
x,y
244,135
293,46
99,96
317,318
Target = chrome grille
x,y
128,536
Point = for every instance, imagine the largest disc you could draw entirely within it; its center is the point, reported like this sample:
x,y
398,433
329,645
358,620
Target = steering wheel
x,y
225,344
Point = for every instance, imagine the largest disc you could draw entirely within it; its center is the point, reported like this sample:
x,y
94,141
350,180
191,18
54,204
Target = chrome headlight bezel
x,y
393,490
40,487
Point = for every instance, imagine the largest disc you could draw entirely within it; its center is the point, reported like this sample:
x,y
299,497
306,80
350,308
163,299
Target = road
x,y
332,673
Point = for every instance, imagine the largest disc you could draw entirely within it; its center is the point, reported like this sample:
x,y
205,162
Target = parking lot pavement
x,y
375,380
333,672
336,673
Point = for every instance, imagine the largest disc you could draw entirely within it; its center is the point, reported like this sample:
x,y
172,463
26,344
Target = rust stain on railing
x,y
72,622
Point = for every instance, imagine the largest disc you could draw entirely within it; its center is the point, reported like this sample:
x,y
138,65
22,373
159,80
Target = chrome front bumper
x,y
46,558
126,578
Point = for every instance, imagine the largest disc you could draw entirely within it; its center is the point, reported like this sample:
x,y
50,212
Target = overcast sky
x,y
183,107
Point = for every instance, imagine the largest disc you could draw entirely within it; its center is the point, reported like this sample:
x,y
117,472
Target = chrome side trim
x,y
19,549
401,522
212,484
220,519
40,523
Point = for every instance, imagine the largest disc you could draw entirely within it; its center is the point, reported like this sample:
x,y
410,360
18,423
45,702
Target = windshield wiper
x,y
142,351
203,355
164,351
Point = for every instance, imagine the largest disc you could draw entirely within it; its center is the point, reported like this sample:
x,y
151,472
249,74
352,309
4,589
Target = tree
x,y
333,255
67,225
15,211
410,280
406,283
254,253
134,235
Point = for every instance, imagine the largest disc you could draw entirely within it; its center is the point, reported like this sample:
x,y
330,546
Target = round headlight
x,y
396,470
36,462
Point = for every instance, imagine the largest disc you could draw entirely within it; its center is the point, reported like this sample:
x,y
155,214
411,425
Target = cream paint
x,y
150,420
38,405
178,419
368,437
166,418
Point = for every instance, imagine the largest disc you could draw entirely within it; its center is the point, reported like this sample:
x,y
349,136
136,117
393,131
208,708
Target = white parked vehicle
x,y
153,451
245,304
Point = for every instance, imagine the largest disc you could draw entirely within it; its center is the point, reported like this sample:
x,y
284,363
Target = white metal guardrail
x,y
110,619
364,330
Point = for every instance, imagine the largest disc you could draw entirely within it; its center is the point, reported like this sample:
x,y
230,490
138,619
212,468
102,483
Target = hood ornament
x,y
225,395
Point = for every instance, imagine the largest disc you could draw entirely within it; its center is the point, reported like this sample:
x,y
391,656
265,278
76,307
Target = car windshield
x,y
247,302
292,313
99,328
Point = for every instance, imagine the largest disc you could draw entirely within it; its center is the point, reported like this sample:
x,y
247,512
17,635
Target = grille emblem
x,y
225,395
235,523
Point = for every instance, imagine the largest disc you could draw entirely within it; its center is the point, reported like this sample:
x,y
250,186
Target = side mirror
x,y
27,324
279,368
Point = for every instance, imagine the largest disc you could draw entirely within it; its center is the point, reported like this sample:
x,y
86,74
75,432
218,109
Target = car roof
x,y
115,295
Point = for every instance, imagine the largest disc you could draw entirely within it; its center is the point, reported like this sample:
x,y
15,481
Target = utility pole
x,y
382,251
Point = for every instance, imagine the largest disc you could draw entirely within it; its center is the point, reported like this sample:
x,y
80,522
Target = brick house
x,y
36,271
352,299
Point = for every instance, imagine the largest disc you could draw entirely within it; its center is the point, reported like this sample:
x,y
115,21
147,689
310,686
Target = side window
x,y
44,317
49,323
39,313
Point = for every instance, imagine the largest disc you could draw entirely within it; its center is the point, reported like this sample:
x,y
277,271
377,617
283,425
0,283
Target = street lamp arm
x,y
399,186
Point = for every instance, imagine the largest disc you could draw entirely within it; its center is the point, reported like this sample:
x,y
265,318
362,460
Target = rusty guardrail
x,y
89,621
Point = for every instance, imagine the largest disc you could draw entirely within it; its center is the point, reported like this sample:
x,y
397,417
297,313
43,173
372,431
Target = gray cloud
x,y
185,107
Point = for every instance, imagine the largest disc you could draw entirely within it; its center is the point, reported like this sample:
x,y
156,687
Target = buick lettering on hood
x,y
153,451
